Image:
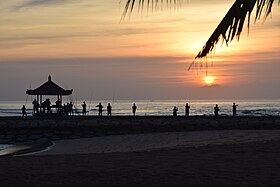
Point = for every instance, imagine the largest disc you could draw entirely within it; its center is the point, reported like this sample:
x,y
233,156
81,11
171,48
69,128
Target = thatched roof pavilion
x,y
49,88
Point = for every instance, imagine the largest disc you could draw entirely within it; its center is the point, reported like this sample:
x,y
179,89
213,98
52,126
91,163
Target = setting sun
x,y
209,80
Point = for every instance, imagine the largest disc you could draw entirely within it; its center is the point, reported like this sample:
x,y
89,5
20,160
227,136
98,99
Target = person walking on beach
x,y
134,107
109,110
175,109
84,106
187,107
234,107
216,110
23,111
100,107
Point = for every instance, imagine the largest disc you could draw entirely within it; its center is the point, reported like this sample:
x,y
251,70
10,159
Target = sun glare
x,y
209,80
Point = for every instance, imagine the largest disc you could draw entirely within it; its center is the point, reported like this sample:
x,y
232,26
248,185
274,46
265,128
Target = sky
x,y
86,46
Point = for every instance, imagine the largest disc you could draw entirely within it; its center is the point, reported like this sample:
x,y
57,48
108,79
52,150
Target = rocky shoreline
x,y
15,130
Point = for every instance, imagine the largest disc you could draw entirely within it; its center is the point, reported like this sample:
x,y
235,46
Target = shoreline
x,y
158,141
32,131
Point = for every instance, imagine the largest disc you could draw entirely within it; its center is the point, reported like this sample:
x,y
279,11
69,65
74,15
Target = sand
x,y
202,158
153,151
155,141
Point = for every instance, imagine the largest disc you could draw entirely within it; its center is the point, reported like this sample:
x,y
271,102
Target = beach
x,y
244,164
141,151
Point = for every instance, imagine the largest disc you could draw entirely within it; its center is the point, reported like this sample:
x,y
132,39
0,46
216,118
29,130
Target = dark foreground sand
x,y
245,164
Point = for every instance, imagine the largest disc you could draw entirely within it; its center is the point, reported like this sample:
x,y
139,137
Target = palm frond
x,y
149,4
229,28
232,24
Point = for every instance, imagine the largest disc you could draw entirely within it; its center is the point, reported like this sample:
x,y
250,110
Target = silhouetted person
x,y
134,107
58,106
109,110
216,110
35,106
100,107
67,109
71,111
187,108
84,111
234,107
48,105
23,111
175,109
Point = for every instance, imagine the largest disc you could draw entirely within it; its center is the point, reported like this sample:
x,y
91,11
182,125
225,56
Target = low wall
x,y
17,130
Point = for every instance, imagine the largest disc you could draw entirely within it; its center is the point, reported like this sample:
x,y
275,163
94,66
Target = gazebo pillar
x,y
40,103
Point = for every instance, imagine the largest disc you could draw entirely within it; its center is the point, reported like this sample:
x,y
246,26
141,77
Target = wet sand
x,y
243,164
156,141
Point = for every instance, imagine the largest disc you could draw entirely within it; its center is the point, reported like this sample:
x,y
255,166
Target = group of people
x,y
46,106
216,110
67,109
234,109
187,110
109,109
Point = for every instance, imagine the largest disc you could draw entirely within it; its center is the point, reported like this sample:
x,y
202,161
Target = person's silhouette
x,y
35,106
58,106
216,110
234,107
71,111
84,106
187,108
109,109
175,109
100,107
48,105
134,107
23,110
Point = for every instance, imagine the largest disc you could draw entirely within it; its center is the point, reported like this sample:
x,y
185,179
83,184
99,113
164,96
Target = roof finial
x,y
49,78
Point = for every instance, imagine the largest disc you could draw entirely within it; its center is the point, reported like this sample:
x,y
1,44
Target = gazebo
x,y
52,89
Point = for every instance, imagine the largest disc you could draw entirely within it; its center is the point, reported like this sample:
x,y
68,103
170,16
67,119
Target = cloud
x,y
211,86
32,3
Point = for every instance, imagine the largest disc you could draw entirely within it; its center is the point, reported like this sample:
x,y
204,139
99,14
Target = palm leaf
x,y
149,4
229,28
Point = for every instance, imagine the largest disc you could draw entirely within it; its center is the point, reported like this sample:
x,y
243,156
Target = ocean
x,y
161,107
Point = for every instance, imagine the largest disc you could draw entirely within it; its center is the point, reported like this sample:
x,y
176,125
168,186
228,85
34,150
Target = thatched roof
x,y
49,88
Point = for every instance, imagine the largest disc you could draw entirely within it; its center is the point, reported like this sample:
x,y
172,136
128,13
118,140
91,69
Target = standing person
x,y
84,111
99,109
134,107
216,110
35,106
71,111
109,110
187,107
48,105
58,106
23,111
234,107
175,109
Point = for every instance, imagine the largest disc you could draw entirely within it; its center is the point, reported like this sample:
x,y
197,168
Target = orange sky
x,y
148,54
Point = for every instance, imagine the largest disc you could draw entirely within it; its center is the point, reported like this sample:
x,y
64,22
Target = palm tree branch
x,y
232,24
229,28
